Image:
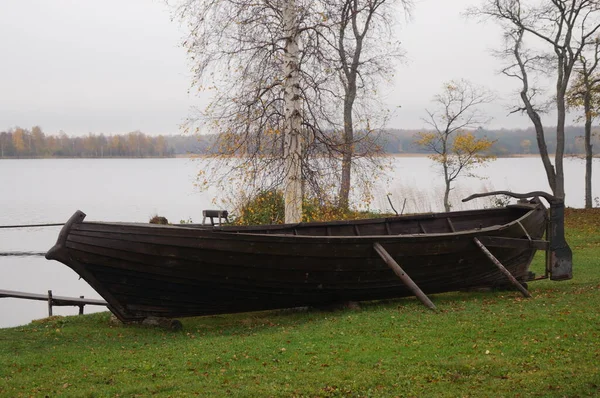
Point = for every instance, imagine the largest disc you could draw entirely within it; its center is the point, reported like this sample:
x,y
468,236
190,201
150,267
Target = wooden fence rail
x,y
53,301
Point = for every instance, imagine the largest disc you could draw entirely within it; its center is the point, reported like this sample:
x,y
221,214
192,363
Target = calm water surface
x,y
51,190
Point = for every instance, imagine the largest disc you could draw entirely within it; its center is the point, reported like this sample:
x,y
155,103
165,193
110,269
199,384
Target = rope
x,y
22,254
31,225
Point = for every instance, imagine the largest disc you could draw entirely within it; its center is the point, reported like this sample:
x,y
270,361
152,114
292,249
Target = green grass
x,y
477,345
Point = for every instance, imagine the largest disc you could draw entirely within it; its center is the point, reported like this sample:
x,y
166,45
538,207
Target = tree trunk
x,y
344,197
447,189
534,115
588,151
293,139
541,141
588,167
447,206
559,190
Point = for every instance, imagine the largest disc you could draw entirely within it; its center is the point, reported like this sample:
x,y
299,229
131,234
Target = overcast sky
x,y
114,66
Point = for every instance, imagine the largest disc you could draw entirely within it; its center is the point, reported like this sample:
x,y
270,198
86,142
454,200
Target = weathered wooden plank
x,y
234,266
327,247
132,274
516,243
168,265
462,220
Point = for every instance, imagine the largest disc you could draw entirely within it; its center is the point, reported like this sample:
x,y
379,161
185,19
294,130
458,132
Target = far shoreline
x,y
203,156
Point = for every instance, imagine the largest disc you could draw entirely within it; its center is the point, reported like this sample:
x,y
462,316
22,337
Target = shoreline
x,y
202,156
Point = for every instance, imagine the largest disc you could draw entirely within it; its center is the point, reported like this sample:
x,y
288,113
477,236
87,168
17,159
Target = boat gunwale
x,y
212,233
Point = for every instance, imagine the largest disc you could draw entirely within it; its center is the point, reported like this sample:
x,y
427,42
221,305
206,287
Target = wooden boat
x,y
149,270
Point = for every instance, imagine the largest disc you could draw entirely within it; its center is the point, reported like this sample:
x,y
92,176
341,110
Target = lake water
x,y
51,190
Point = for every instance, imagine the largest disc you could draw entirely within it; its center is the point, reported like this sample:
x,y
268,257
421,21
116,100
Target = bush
x,y
267,207
156,219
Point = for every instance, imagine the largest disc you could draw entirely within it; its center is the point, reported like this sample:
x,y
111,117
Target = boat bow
x,y
58,251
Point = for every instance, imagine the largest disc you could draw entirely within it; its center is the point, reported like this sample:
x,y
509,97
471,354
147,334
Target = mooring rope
x,y
31,225
27,254
22,254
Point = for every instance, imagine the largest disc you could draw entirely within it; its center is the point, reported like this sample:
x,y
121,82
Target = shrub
x,y
267,207
156,219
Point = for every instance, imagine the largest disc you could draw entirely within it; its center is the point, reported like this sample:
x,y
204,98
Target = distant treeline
x,y
23,143
397,141
19,142
508,141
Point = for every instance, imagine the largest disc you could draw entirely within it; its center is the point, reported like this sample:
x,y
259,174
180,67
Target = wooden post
x,y
49,302
385,256
502,268
548,266
81,307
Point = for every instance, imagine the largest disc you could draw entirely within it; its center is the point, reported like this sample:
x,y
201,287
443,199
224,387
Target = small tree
x,y
584,94
453,147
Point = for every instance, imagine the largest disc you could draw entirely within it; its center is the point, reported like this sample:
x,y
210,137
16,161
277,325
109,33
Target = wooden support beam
x,y
502,268
385,256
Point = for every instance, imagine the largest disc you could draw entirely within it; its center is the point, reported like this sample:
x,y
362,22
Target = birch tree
x,y
277,92
292,116
560,29
249,52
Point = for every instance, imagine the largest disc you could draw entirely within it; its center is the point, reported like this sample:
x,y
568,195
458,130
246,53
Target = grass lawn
x,y
477,345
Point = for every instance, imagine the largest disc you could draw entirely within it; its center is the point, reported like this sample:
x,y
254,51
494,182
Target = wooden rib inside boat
x,y
149,270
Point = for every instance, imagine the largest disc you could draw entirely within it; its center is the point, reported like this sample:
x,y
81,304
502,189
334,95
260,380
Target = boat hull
x,y
145,270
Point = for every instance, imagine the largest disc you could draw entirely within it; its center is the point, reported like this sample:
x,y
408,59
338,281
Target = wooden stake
x,y
49,302
503,269
385,256
81,307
